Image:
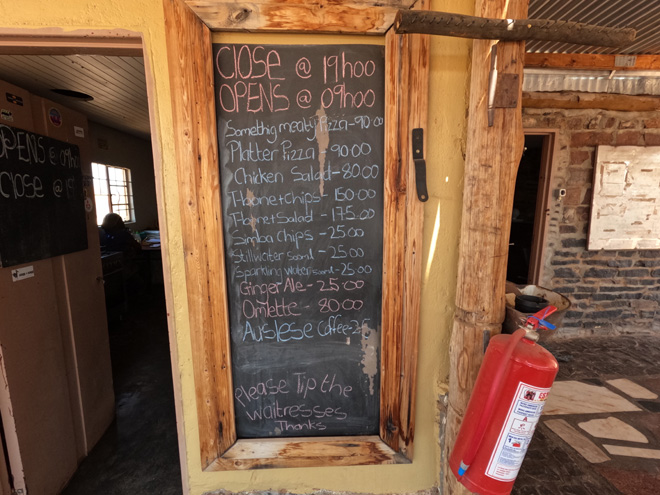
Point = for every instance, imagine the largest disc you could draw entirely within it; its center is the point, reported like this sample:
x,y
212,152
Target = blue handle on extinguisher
x,y
543,323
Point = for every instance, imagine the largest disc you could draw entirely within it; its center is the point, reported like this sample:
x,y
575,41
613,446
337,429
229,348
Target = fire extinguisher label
x,y
512,443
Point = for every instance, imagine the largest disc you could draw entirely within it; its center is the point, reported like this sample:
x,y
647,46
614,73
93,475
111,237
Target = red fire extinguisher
x,y
506,404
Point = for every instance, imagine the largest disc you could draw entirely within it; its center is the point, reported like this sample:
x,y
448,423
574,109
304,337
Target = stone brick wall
x,y
610,291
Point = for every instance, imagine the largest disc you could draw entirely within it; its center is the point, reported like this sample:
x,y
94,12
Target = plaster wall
x,y
445,158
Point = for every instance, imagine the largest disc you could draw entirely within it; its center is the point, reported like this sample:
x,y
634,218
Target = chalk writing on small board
x,y
42,211
301,143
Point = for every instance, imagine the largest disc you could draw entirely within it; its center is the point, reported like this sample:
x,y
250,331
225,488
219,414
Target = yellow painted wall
x,y
446,143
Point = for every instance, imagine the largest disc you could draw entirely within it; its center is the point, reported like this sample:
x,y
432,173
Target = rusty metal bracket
x,y
503,89
507,90
420,163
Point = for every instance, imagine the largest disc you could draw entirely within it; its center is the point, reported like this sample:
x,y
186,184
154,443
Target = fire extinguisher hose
x,y
498,380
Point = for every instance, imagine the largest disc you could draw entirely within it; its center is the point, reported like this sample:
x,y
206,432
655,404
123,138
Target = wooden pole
x,y
492,158
511,29
583,101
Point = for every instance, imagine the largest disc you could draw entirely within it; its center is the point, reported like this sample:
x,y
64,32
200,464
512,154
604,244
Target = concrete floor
x,y
138,455
600,432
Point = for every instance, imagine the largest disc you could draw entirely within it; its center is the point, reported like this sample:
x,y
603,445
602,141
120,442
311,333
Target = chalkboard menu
x,y
301,140
42,211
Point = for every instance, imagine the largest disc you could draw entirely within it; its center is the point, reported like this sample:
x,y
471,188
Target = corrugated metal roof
x,y
626,83
642,15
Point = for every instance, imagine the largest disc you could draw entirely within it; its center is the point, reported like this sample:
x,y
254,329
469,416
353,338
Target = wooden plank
x,y
417,92
492,158
517,29
127,45
407,64
191,79
591,61
306,452
325,16
580,101
394,217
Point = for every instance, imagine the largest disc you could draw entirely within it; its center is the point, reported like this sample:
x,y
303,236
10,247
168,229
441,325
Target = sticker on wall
x,y
79,131
55,117
7,115
88,180
22,273
89,205
15,99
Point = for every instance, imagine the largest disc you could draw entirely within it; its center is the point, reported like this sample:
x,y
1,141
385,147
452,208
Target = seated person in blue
x,y
118,237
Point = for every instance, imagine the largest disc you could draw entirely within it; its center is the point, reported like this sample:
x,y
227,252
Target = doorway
x,y
531,209
147,330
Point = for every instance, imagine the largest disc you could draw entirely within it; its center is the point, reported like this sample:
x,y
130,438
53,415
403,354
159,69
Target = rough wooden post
x,y
492,158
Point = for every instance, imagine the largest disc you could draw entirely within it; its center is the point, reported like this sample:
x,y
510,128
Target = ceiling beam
x,y
128,46
298,16
591,61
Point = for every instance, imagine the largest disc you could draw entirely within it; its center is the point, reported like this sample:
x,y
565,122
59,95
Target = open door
x,y
529,217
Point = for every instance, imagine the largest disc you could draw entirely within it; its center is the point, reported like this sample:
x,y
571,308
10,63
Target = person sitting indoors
x,y
118,237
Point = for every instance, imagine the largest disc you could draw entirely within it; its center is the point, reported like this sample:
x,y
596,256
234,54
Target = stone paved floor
x,y
569,454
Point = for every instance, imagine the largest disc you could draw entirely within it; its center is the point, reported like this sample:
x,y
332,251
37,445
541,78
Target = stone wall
x,y
610,291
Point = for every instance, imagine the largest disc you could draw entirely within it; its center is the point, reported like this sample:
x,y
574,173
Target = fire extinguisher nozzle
x,y
463,467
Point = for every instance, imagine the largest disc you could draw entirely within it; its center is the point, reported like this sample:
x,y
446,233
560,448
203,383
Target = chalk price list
x,y
305,242
301,145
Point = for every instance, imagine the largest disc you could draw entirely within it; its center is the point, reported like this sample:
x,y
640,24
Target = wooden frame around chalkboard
x,y
194,132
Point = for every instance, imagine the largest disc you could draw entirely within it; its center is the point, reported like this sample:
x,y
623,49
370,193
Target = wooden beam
x,y
407,73
306,452
324,16
121,46
198,174
492,158
592,62
603,101
465,26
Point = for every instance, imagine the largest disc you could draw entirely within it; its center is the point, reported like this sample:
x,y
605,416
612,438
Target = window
x,y
113,192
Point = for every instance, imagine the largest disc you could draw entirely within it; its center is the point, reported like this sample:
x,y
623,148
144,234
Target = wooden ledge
x,y
121,45
324,16
263,453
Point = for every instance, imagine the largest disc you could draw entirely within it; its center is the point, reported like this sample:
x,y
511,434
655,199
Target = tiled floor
x,y
600,432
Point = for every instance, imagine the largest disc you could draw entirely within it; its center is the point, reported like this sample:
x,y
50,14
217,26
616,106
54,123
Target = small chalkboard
x,y
42,211
301,142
